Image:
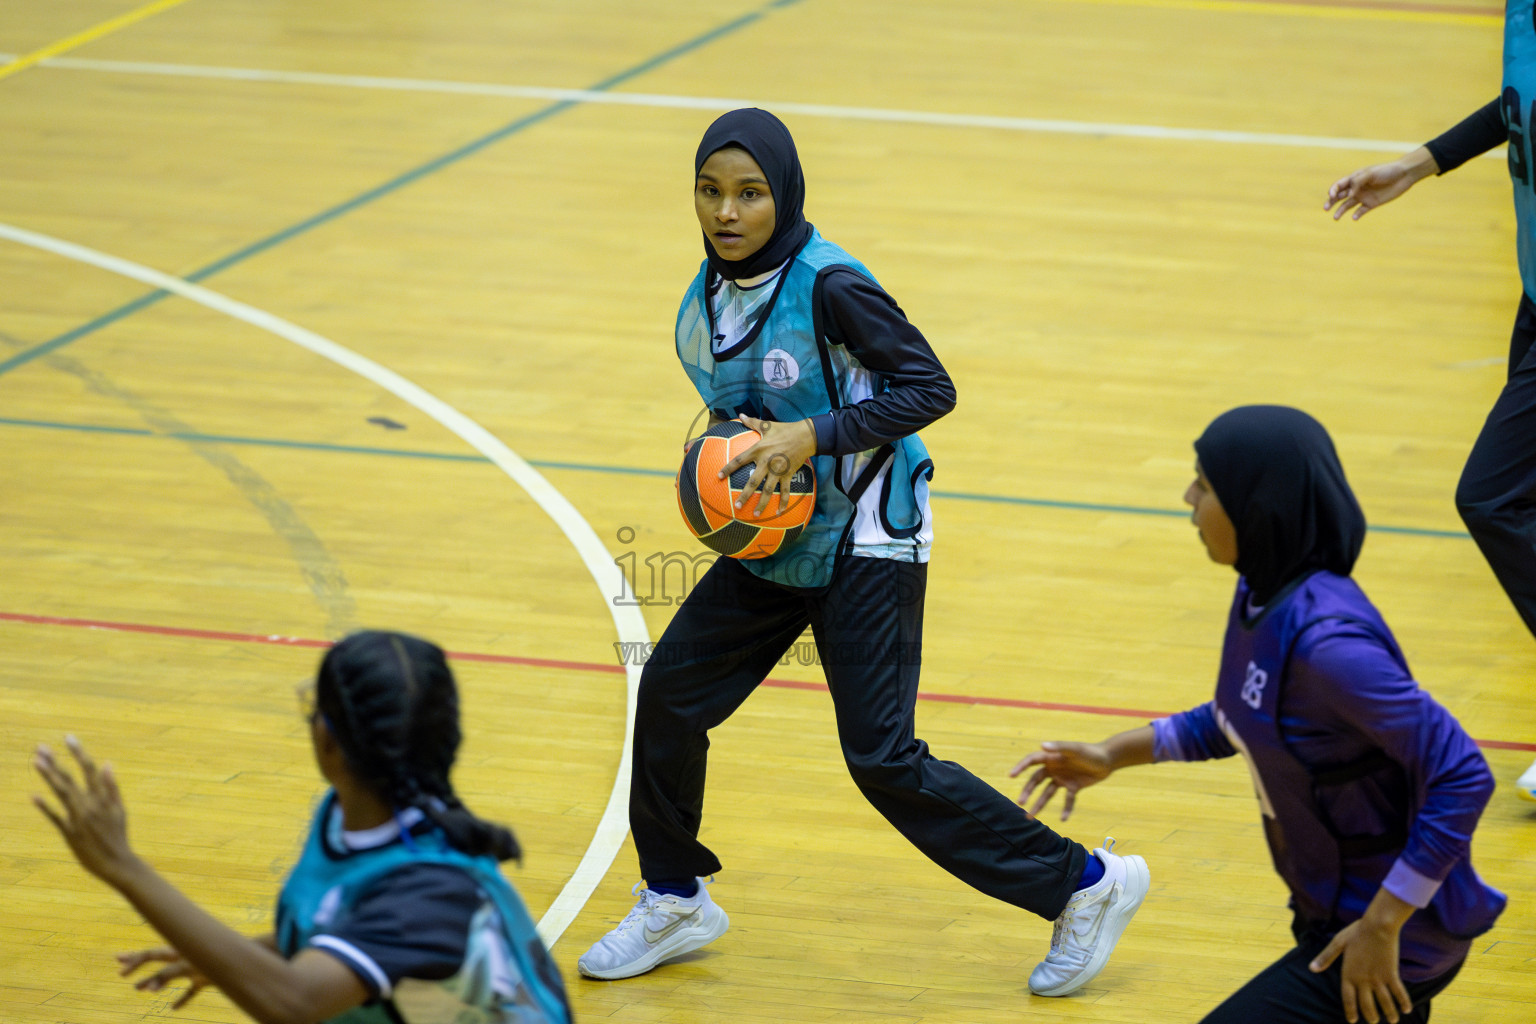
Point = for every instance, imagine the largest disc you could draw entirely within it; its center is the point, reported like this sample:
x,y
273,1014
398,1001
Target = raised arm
x,y
311,987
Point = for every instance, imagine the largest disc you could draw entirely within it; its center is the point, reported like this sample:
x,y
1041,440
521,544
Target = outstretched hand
x,y
92,820
176,969
1378,184
1062,766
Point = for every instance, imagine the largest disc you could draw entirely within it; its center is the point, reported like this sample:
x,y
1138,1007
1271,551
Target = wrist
x,y
1125,749
1386,913
1419,164
127,873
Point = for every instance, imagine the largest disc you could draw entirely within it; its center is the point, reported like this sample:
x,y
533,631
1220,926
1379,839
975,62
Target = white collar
x,y
379,835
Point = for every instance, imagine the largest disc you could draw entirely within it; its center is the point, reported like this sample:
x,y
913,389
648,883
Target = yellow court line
x,y
1308,9
89,35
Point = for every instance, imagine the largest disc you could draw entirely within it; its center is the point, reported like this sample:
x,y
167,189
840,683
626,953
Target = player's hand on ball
x,y
1063,766
92,820
176,969
784,448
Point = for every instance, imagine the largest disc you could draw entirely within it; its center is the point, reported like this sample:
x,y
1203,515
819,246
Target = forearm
x,y
1419,164
1473,136
249,971
887,417
1132,747
1387,913
911,388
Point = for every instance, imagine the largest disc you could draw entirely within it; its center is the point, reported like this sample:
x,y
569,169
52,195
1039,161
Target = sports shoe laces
x,y
1060,934
1070,942
644,908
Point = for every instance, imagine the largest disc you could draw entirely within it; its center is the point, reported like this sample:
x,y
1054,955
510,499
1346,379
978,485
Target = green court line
x,y
393,185
589,467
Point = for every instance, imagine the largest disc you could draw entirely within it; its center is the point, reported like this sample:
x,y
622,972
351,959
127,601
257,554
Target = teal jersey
x,y
1519,108
506,975
783,369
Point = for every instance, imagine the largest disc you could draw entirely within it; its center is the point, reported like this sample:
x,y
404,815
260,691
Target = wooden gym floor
x,y
1106,214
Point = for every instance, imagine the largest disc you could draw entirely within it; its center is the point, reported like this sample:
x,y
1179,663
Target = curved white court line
x,y
531,92
614,824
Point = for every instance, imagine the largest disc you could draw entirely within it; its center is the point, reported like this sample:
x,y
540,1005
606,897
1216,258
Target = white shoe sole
x,y
1137,881
684,940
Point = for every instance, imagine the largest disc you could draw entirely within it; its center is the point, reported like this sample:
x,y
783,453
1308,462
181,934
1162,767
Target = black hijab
x,y
1277,475
765,137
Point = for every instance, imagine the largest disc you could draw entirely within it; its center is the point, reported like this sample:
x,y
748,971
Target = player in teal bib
x,y
785,370
791,335
396,912
1496,495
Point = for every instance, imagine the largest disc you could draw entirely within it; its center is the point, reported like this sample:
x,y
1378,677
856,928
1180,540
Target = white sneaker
x,y
1527,784
656,930
1087,930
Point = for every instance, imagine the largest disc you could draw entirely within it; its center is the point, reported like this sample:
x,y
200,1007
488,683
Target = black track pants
x,y
1497,493
731,630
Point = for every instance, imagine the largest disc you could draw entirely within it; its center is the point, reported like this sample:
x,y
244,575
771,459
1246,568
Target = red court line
x,y
591,666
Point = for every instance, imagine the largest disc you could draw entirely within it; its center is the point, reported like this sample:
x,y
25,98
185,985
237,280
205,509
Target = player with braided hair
x,y
396,910
404,735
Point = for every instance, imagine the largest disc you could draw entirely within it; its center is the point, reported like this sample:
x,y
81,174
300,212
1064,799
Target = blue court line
x,y
588,467
394,184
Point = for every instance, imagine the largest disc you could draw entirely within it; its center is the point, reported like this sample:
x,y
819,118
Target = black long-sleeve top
x,y
1474,136
858,315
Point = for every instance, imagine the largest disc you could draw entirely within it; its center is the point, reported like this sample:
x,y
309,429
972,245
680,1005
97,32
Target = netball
x,y
708,503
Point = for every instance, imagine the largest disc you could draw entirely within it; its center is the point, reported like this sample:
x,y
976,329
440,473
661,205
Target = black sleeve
x,y
1472,137
412,923
858,315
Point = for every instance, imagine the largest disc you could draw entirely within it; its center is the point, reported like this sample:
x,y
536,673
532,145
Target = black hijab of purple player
x,y
1278,477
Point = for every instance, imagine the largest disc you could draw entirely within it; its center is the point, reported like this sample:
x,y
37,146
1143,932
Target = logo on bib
x,y
1253,686
330,904
780,369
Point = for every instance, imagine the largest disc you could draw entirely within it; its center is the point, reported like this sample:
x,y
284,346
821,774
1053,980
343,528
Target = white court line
x,y
614,824
1475,364
531,92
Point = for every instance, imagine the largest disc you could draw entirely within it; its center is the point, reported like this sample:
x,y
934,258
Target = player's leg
x,y
729,632
1287,992
1497,492
869,631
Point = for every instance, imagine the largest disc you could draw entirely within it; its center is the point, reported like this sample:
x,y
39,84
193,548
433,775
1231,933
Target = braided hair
x,y
391,703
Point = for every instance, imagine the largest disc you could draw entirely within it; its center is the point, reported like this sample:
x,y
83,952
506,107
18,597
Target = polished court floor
x,y
318,316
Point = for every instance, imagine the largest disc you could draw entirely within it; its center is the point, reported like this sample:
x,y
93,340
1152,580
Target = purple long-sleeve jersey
x,y
1345,696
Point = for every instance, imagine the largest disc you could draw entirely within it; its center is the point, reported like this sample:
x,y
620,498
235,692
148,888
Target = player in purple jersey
x,y
1369,789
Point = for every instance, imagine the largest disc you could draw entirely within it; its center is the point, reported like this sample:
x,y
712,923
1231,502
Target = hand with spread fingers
x,y
176,969
1069,766
784,448
92,819
1062,766
1370,984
